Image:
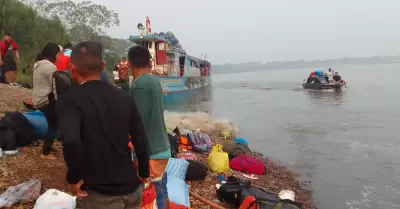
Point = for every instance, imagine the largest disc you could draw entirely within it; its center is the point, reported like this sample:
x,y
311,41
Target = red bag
x,y
247,164
149,198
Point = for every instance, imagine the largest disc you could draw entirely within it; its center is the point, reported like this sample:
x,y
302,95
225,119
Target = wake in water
x,y
198,120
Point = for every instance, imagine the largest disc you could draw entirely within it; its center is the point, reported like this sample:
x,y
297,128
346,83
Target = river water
x,y
345,143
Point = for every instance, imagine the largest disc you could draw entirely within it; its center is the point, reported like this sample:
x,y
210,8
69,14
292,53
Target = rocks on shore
x,y
28,164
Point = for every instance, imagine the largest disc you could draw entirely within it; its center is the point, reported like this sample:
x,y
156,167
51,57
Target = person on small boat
x,y
326,77
330,75
309,79
338,79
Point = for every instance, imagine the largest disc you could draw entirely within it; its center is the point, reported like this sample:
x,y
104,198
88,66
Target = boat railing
x,y
168,70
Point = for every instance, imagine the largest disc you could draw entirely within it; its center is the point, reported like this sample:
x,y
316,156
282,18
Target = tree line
x,y
34,23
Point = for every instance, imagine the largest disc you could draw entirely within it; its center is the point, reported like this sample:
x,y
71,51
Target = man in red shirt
x,y
8,63
62,62
63,59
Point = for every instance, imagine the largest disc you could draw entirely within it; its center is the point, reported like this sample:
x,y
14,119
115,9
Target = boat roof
x,y
196,59
148,37
156,37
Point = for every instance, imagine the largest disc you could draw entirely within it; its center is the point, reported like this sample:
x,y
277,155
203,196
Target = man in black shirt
x,y
96,120
337,77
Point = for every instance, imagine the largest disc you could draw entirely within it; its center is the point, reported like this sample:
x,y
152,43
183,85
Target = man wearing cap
x,y
8,63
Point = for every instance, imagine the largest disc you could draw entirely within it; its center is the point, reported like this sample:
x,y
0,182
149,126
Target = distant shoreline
x,y
316,64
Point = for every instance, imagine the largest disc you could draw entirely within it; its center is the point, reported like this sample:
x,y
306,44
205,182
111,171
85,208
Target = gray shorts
x,y
98,201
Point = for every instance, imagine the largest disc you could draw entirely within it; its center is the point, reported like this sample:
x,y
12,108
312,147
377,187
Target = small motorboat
x,y
322,86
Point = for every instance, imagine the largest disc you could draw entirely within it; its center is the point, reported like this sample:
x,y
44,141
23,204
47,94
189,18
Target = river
x,y
345,143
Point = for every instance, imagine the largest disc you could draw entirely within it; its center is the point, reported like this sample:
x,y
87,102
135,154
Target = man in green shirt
x,y
148,94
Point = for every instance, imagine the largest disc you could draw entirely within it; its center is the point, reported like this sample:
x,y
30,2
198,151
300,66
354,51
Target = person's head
x,y
336,73
50,52
329,70
139,60
67,46
86,61
7,37
123,59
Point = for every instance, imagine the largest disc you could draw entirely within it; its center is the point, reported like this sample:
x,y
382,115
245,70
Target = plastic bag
x,y
53,198
24,192
218,160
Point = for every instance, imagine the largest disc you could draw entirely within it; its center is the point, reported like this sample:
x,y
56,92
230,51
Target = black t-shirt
x,y
337,78
95,127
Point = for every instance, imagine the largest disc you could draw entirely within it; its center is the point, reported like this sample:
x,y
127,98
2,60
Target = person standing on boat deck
x,y
96,128
148,93
330,76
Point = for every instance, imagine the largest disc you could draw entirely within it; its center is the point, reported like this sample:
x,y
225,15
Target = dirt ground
x,y
28,165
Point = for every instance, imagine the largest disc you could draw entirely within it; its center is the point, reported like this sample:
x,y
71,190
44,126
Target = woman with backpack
x,y
43,97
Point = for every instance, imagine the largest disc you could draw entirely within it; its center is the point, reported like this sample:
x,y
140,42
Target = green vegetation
x,y
34,23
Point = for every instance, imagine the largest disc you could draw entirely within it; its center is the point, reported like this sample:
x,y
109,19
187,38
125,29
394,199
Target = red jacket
x,y
62,62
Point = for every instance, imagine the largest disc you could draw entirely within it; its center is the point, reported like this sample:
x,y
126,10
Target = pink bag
x,y
247,164
187,156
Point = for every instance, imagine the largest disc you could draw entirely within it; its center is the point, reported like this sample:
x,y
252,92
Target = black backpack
x,y
230,193
16,122
173,141
61,82
196,171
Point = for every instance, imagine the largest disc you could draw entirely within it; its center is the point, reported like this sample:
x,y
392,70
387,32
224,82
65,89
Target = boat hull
x,y
182,88
320,86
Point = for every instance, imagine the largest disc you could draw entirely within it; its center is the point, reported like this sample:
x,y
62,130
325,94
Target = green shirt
x,y
148,94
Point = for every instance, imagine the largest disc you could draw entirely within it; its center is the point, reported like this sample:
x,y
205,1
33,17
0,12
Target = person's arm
x,y
139,140
15,48
69,122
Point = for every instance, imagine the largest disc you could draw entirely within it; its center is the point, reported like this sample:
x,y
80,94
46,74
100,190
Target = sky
x,y
237,31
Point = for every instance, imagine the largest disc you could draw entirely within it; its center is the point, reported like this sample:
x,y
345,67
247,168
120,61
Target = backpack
x,y
230,193
173,141
24,133
201,142
247,164
7,138
234,148
61,82
196,171
257,198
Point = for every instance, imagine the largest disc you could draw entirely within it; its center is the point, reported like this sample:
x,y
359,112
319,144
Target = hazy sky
x,y
268,30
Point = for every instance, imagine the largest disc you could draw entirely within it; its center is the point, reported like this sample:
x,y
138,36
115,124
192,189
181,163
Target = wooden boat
x,y
182,76
321,86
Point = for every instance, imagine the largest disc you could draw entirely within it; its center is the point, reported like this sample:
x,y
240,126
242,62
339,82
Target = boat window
x,y
150,44
161,46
